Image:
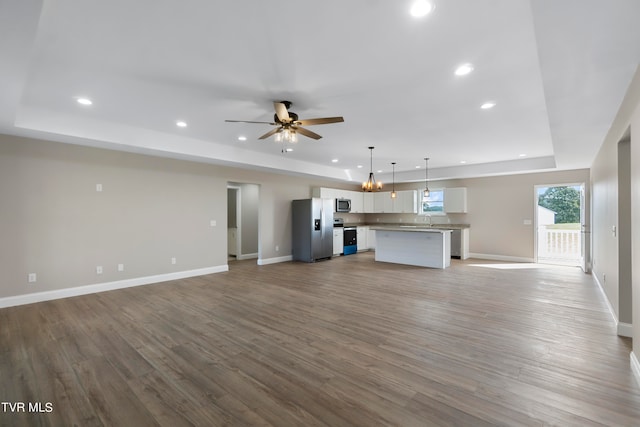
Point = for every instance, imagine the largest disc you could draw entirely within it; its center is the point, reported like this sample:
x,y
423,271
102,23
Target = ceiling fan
x,y
288,124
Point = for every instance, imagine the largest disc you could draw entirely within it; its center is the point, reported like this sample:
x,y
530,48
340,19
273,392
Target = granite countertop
x,y
411,226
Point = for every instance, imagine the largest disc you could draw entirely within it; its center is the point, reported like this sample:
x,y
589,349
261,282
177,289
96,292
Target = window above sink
x,y
432,205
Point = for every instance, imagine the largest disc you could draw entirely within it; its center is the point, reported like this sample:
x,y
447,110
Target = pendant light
x,y
393,188
426,178
371,184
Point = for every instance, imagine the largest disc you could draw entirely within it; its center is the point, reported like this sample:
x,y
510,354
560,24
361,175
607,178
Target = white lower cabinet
x,y
338,240
362,236
371,239
460,243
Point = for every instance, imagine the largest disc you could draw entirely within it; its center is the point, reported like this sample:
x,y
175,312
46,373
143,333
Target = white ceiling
x,y
556,69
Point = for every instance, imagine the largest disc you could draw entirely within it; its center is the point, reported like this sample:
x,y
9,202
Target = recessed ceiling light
x,y
523,155
84,101
420,8
464,69
418,167
488,105
242,138
288,150
379,171
181,124
359,166
463,161
334,160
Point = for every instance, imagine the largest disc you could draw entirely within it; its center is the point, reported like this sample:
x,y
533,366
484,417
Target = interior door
x,y
583,231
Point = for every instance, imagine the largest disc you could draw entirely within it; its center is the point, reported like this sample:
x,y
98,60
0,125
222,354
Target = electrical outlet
x,y
213,223
173,260
120,267
99,269
277,248
98,188
32,277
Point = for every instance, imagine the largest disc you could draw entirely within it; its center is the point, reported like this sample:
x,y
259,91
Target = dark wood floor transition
x,y
346,342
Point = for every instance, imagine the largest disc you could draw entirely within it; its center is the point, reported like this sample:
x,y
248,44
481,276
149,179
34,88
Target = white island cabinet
x,y
425,247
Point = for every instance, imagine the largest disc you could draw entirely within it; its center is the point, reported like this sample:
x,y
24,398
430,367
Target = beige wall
x,y
635,231
54,223
604,175
613,200
613,180
497,209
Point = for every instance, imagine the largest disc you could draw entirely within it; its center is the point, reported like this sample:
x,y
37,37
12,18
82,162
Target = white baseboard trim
x,y
625,329
622,329
107,286
500,257
247,256
265,261
635,366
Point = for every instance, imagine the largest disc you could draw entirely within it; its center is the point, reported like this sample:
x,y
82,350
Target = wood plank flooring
x,y
346,342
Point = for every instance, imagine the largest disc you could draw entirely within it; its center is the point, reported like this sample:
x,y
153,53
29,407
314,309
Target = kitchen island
x,y
421,246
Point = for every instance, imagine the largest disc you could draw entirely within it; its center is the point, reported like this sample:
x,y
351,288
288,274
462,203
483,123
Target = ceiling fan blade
x,y
322,121
306,132
271,132
281,112
249,121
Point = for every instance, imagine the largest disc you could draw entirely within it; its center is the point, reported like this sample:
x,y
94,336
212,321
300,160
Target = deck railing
x,y
559,244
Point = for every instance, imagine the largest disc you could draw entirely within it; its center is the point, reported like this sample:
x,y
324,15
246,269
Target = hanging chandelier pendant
x,y
426,178
371,184
393,185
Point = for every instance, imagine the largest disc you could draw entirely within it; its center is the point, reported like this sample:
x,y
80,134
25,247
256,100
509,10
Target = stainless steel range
x,y
350,240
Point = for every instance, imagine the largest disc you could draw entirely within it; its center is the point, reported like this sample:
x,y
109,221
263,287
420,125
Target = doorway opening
x,y
560,224
242,221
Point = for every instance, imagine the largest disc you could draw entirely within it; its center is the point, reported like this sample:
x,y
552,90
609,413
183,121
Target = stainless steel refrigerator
x,y
312,229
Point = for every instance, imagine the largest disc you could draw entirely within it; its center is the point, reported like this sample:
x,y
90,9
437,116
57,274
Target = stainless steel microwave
x,y
343,205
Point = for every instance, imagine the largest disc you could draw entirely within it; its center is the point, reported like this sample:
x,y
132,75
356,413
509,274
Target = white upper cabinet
x,y
405,202
357,201
455,200
376,202
368,202
356,197
382,202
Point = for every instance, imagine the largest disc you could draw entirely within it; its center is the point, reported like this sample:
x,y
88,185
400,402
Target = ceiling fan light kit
x,y
288,124
371,184
287,135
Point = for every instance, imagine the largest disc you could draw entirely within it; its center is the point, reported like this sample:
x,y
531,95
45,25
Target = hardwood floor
x,y
346,342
